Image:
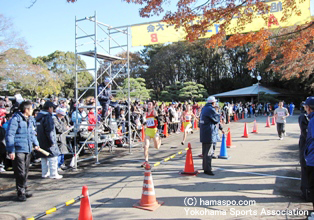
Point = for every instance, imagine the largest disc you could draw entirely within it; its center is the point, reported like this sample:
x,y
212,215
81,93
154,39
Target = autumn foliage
x,y
290,48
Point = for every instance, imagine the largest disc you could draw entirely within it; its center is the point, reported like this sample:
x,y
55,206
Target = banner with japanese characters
x,y
161,32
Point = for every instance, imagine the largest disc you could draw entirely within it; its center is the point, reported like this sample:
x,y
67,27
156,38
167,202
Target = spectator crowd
x,y
29,126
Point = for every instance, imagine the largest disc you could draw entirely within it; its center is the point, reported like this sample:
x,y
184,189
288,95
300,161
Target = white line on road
x,y
260,174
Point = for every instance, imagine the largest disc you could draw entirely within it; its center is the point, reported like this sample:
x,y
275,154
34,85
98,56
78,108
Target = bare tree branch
x,y
293,32
32,4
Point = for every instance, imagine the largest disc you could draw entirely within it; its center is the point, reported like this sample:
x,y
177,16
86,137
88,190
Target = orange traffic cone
x,y
148,200
85,208
195,125
267,123
229,140
143,133
182,127
245,135
255,127
165,130
273,121
189,165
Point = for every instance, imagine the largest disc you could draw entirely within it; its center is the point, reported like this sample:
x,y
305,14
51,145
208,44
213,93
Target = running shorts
x,y
151,132
185,124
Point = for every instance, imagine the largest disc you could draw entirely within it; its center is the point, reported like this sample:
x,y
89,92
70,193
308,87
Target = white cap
x,y
61,111
107,80
211,99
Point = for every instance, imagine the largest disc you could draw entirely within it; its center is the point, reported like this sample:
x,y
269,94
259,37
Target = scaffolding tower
x,y
97,41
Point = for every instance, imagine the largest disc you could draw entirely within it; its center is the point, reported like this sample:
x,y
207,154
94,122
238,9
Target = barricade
x,y
57,207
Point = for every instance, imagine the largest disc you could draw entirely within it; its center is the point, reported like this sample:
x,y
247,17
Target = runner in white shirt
x,y
281,113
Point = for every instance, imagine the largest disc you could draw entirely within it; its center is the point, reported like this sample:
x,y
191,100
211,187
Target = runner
x,y
151,131
281,113
186,119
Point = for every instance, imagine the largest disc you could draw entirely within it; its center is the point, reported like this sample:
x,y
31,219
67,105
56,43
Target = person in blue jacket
x,y
309,147
291,108
303,123
20,139
209,118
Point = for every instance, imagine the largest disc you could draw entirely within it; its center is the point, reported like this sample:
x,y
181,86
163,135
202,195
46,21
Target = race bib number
x,y
281,114
150,122
188,118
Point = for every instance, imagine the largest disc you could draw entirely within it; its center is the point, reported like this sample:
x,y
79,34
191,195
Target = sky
x,y
49,25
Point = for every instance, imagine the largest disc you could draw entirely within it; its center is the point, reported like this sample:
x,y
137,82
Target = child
x,y
122,120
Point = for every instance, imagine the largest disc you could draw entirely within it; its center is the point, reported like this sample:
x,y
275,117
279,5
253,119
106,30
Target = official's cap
x,y
211,99
309,101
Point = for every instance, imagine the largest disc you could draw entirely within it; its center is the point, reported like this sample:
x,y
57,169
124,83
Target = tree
x,y
138,89
41,83
193,91
263,98
8,36
10,44
28,76
291,48
63,65
172,92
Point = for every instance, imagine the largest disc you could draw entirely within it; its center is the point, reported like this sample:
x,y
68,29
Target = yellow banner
x,y
161,32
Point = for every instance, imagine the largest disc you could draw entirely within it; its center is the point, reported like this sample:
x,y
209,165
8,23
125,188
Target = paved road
x,y
261,169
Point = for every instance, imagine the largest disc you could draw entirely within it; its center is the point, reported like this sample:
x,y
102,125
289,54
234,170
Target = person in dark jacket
x,y
309,147
104,98
303,123
47,138
20,140
208,120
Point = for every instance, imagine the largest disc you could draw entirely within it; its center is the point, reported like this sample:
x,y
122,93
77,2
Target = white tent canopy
x,y
247,91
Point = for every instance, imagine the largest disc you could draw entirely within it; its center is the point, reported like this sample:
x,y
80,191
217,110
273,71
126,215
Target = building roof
x,y
247,91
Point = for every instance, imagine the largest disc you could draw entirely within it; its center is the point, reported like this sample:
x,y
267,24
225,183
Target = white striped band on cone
x,y
148,194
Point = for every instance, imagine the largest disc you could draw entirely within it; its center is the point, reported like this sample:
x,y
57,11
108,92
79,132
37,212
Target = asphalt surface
x,y
262,171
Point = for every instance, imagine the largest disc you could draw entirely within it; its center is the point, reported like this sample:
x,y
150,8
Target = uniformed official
x,y
208,120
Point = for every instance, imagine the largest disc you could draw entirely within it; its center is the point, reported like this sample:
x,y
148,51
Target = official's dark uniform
x,y
208,120
303,123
